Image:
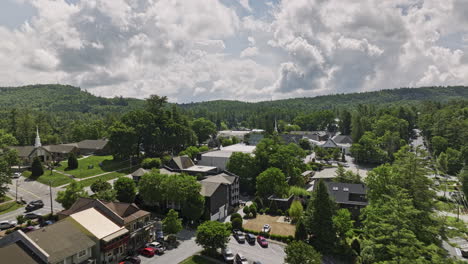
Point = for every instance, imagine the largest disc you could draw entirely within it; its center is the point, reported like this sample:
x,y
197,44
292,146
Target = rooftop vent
x,y
335,188
346,189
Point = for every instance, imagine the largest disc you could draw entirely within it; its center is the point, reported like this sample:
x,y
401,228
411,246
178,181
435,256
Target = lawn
x,y
106,177
197,260
108,164
5,198
277,228
56,179
8,207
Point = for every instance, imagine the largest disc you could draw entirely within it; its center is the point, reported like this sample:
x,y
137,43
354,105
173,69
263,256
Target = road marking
x,y
33,194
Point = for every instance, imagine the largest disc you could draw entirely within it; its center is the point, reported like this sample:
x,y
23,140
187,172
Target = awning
x,y
115,235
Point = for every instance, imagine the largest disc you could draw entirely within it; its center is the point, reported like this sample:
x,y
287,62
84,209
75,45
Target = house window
x,y
335,188
82,253
346,189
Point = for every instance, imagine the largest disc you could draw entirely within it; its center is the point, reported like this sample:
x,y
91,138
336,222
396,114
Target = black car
x,y
31,216
33,205
250,238
131,260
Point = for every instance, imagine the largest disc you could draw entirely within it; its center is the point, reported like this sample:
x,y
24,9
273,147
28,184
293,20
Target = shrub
x,y
203,148
150,163
267,210
72,162
20,219
258,202
246,210
36,168
253,211
279,212
246,216
236,223
235,215
165,159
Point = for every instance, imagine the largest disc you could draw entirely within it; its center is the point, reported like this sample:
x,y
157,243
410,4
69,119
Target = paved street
x,y
29,191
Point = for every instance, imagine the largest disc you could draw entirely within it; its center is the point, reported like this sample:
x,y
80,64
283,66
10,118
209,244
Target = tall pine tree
x,y
36,168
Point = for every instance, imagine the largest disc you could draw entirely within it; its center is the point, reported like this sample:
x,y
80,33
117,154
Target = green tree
x,y
244,166
151,189
100,185
72,162
36,168
298,252
439,144
345,123
236,223
68,197
203,128
108,195
296,210
172,224
212,235
122,140
193,207
319,221
343,223
442,162
126,189
8,158
301,231
463,176
272,182
150,163
454,161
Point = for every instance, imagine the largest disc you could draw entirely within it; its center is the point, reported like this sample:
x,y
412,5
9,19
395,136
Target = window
x,y
81,253
335,188
346,189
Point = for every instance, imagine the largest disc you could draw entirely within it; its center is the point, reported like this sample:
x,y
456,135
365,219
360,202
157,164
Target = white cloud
x,y
189,50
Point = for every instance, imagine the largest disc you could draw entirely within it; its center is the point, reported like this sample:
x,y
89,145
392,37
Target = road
x,y
30,191
273,254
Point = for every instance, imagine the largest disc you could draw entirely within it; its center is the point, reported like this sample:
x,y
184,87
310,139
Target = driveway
x,y
187,248
273,254
30,191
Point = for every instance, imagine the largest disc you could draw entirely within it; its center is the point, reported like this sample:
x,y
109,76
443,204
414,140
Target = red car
x,y
262,241
147,251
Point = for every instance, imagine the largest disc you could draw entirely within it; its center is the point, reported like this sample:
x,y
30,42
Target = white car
x,y
7,225
16,175
157,246
266,228
228,256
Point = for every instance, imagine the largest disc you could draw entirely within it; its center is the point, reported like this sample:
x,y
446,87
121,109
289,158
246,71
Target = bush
x,y
236,223
262,211
20,219
203,148
253,211
150,163
246,210
36,168
267,210
72,162
279,212
258,202
235,215
165,159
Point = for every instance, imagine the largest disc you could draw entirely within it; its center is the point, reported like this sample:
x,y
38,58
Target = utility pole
x,y
51,204
16,195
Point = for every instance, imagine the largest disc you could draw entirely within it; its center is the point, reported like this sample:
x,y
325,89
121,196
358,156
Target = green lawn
x,y
5,198
8,207
56,179
108,164
197,260
107,177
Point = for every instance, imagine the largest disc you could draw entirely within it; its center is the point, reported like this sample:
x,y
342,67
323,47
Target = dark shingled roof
x,y
140,172
348,193
209,188
18,253
23,151
343,139
183,162
97,144
62,239
60,148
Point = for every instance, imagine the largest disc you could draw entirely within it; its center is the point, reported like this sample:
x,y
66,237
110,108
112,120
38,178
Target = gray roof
x,y
140,172
347,193
183,162
18,253
60,148
343,139
209,188
23,151
220,178
62,239
96,144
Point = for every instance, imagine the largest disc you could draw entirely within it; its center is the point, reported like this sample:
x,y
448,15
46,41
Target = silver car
x,y
228,256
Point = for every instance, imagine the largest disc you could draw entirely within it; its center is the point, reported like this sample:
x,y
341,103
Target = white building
x,y
220,158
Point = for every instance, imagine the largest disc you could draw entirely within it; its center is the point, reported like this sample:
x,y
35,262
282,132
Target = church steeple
x,y
276,127
37,142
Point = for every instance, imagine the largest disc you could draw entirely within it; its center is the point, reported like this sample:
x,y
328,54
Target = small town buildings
x,y
111,239
186,165
18,248
220,158
136,175
138,222
92,146
348,195
231,181
216,200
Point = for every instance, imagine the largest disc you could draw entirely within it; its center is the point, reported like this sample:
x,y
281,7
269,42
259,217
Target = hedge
x,y
281,238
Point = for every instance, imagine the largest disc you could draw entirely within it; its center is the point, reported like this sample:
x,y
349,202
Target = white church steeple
x,y
37,142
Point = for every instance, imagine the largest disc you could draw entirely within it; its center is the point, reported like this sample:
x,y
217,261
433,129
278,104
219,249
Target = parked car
x,y
147,251
266,228
239,236
31,216
48,222
7,225
159,235
228,256
262,241
157,246
250,238
131,260
240,259
27,229
16,175
256,262
33,205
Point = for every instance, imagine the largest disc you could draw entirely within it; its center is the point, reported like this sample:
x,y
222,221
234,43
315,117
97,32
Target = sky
x,y
250,50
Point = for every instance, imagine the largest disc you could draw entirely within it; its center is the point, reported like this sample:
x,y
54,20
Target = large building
x,y
220,158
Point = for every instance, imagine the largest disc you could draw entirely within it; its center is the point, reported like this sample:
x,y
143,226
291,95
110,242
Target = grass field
x,y
108,164
56,179
277,228
197,260
107,177
5,198
8,207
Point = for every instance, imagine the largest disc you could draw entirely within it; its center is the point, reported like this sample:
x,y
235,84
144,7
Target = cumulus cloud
x,y
208,49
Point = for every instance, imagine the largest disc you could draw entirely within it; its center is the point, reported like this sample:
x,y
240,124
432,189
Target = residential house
x,y
220,158
112,240
136,175
128,215
349,195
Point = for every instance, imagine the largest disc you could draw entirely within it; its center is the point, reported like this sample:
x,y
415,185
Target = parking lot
x,y
273,254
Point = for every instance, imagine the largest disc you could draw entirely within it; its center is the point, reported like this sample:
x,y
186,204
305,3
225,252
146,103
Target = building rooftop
x,y
220,178
61,239
198,168
96,223
140,172
239,148
18,253
209,188
348,193
327,173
